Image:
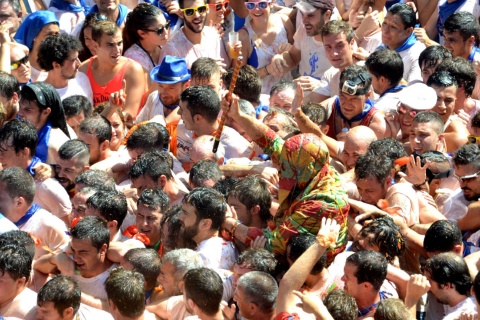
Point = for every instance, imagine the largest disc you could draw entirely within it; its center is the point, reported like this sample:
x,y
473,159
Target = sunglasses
x,y
473,139
401,109
219,6
191,11
260,4
160,30
17,64
467,177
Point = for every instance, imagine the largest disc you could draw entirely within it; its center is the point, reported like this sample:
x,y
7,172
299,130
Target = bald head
x,y
202,150
357,141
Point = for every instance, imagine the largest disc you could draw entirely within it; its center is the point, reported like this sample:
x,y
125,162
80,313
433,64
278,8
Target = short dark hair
x,y
147,137
181,3
248,85
151,164
173,227
205,287
371,267
203,101
154,199
443,236
442,79
74,149
92,228
63,291
97,125
405,13
464,22
433,55
390,309
18,238
8,85
336,27
111,205
76,104
147,262
252,191
371,166
103,27
316,113
208,204
282,86
126,289
386,63
225,184
15,261
57,48
431,117
96,179
354,73
204,170
259,288
204,68
18,183
143,17
387,147
463,72
341,305
449,267
467,154
22,133
299,244
258,259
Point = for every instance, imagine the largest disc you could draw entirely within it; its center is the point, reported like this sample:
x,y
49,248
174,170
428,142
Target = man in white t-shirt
x,y
307,51
58,55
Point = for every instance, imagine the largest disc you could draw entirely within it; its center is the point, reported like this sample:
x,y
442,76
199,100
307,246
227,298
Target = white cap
x,y
418,96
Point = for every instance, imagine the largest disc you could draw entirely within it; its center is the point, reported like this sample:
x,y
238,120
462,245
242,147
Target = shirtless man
x,y
109,72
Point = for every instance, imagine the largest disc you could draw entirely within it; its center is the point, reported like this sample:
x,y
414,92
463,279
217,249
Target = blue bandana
x,y
32,26
392,89
411,40
445,11
472,53
261,108
42,146
358,117
33,163
69,7
33,209
122,13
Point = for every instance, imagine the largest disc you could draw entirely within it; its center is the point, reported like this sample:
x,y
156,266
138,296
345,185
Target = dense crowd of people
x,y
344,184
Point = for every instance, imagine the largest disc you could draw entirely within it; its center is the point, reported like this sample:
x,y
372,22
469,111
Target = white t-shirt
x,y
95,286
388,101
313,60
218,253
80,85
6,225
455,207
52,196
88,313
453,313
411,68
153,107
141,56
329,83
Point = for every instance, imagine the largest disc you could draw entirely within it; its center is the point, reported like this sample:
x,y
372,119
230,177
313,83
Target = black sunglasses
x,y
16,64
160,30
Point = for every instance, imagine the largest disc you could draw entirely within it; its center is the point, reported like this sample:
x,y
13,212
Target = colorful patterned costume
x,y
309,189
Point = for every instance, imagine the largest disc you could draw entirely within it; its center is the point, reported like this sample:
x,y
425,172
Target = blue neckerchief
x,y
364,311
32,25
472,53
445,11
173,18
66,6
42,146
261,108
33,163
358,117
122,13
33,209
408,43
390,3
392,89
148,293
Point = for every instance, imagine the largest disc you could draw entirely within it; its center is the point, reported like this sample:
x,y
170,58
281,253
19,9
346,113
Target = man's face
x,y
242,302
67,170
352,149
148,222
427,69
242,212
405,117
351,105
107,5
8,156
79,206
351,284
215,82
74,121
394,33
195,22
423,138
170,93
439,293
186,115
166,279
8,14
313,22
454,42
283,99
145,182
7,204
238,271
47,30
29,110
446,97
92,142
110,48
117,131
48,312
371,190
471,186
70,66
364,243
23,72
277,123
88,260
376,84
8,287
188,218
338,50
